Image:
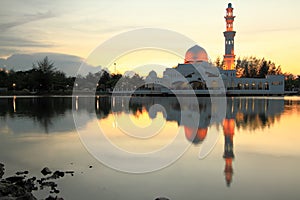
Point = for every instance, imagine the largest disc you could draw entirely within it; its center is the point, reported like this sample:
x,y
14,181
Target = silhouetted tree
x,y
218,62
105,77
3,78
263,71
252,67
113,80
45,69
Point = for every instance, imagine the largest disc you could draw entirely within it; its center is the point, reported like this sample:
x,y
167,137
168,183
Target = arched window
x,y
214,84
240,86
260,86
266,86
246,86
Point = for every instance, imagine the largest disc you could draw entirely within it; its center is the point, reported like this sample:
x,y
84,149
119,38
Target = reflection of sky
x,y
265,166
25,125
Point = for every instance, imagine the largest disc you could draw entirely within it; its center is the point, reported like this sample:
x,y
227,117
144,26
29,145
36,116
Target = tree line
x,y
253,67
45,78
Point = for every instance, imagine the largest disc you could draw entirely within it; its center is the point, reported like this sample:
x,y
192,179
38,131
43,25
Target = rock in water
x,y
1,170
22,173
12,191
15,179
58,174
162,198
20,187
70,172
46,171
53,198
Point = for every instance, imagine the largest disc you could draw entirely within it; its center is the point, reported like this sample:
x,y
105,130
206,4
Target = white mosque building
x,y
199,75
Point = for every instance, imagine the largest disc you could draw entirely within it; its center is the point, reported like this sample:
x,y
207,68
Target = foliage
x,y
252,67
292,82
43,77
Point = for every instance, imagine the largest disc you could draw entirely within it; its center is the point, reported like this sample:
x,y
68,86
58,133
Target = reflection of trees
x,y
136,107
254,114
254,121
250,114
104,107
41,110
291,105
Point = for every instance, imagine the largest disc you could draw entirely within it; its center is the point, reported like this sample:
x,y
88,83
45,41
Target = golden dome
x,y
195,54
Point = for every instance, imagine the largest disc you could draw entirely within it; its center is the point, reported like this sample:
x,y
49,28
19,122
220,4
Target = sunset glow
x,y
77,28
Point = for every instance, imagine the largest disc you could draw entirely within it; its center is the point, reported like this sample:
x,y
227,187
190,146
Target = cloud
x,y
67,63
4,52
26,18
9,40
12,41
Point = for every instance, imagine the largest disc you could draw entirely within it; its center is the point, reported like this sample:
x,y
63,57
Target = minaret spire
x,y
229,34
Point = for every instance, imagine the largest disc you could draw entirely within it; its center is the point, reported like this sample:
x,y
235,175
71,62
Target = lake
x,y
148,147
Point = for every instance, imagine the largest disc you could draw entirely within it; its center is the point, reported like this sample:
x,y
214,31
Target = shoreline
x,y
140,93
22,186
109,95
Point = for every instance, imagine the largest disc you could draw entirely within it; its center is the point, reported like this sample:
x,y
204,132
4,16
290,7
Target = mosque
x,y
200,76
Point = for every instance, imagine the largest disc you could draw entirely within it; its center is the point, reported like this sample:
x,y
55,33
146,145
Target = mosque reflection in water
x,y
245,113
241,113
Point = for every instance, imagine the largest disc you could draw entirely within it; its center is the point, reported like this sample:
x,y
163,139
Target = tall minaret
x,y
229,57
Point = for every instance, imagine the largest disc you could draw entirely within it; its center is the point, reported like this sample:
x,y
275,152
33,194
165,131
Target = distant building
x,y
198,74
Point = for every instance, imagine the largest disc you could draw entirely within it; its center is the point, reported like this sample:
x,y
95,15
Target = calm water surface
x,y
257,155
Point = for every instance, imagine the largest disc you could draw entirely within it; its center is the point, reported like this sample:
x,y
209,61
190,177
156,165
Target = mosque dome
x,y
153,74
195,54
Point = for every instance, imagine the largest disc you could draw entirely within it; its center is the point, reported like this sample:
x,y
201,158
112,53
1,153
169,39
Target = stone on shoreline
x,y
162,198
20,187
22,173
46,171
70,172
14,192
1,170
58,174
53,198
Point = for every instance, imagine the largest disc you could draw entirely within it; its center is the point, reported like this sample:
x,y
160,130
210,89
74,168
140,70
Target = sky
x,y
269,28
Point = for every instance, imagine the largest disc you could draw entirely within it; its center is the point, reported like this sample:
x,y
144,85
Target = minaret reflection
x,y
228,129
